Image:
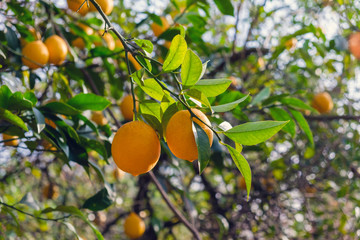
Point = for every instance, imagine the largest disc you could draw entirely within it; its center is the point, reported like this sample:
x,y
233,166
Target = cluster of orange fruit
x,y
106,5
136,146
37,53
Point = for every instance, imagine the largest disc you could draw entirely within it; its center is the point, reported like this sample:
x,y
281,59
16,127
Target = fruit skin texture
x,y
57,49
37,52
354,44
99,118
180,137
126,107
75,4
323,102
136,148
134,226
106,5
157,29
10,143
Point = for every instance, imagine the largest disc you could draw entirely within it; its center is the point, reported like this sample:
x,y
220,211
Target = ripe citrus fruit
x,y
180,137
14,142
157,29
106,5
48,146
136,148
57,49
136,65
75,4
134,226
51,191
79,42
127,107
167,44
99,118
354,44
109,41
322,102
37,52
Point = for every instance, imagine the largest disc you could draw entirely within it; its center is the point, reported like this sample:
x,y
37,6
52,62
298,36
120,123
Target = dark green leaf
x,y
225,7
303,124
100,201
280,114
203,146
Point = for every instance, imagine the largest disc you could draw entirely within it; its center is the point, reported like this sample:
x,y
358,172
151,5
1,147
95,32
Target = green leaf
x,y
18,102
203,146
12,118
151,87
31,97
212,87
199,96
253,133
225,7
98,171
262,95
95,145
76,212
280,114
228,106
191,69
145,44
296,103
100,201
40,120
89,101
61,108
5,94
151,107
176,54
303,124
243,167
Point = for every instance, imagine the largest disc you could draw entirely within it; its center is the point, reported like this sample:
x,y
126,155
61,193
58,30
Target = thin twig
x,y
172,207
29,214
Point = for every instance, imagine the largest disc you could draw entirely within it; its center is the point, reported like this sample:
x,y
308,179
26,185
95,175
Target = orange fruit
x,y
75,4
79,42
50,123
57,49
180,137
157,29
109,41
14,142
106,5
354,44
37,52
241,183
136,65
98,118
136,148
322,102
127,107
50,191
134,226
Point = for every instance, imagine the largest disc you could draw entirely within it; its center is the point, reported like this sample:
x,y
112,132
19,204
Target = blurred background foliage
x,y
305,183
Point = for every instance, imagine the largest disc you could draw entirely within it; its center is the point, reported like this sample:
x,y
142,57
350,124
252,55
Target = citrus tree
x,y
179,120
